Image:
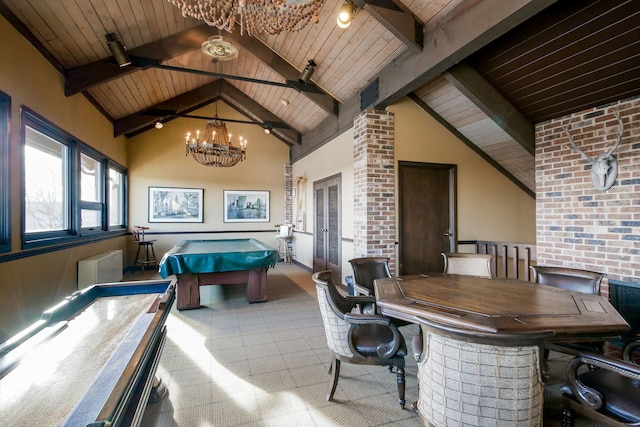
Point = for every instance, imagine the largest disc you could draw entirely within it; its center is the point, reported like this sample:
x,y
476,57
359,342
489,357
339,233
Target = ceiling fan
x,y
219,49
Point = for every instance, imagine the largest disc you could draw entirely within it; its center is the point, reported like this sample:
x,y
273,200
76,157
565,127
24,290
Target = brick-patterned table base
x,y
470,384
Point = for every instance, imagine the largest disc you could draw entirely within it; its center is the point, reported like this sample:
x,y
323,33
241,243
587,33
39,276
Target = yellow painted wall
x,y
157,158
490,207
30,285
335,157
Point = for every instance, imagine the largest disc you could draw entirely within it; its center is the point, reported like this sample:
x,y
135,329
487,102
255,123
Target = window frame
x,y
72,184
5,174
101,205
125,198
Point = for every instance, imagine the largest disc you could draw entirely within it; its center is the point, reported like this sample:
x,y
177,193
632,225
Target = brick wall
x,y
288,194
373,185
577,225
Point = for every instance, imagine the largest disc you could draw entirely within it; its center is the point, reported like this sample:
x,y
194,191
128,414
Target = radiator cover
x,y
105,267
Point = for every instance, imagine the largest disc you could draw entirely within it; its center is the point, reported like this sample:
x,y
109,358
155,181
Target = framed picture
x,y
168,204
246,206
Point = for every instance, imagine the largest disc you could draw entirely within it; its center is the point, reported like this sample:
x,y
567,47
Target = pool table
x,y
90,360
216,262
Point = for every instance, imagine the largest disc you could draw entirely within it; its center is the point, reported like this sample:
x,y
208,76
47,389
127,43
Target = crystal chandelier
x,y
213,147
254,16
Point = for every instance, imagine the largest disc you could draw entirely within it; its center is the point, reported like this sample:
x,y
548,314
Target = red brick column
x,y
374,215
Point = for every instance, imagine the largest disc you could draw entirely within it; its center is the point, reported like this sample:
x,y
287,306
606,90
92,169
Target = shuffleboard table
x,y
216,262
90,360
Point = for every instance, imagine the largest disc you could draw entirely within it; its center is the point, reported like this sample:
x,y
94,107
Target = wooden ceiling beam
x,y
250,108
170,109
398,19
184,103
468,81
274,61
470,27
87,76
82,78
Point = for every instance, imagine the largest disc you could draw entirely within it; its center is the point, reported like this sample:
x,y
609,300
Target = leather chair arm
x,y
366,319
360,299
361,290
628,350
385,350
590,396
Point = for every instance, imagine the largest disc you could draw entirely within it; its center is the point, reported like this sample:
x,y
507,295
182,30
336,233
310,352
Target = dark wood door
x,y
427,215
327,226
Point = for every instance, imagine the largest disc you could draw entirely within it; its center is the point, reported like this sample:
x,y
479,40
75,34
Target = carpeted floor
x,y
231,363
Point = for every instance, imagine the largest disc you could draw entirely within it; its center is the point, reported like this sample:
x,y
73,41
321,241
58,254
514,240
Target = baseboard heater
x,y
102,268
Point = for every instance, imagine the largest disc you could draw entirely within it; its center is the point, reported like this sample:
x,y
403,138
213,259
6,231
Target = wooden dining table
x,y
482,342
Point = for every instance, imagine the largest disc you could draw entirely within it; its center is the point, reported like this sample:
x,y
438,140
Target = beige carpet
x,y
231,363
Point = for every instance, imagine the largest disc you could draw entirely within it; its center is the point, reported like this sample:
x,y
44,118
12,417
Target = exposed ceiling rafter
x,y
493,104
398,19
184,104
286,70
82,78
463,34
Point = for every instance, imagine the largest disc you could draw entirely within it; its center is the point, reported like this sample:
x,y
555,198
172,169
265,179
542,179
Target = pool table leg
x,y
188,292
257,285
189,285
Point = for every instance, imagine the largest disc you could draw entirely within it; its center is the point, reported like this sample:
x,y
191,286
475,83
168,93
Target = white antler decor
x,y
604,168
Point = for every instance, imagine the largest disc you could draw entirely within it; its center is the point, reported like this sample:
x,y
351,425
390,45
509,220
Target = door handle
x,y
447,234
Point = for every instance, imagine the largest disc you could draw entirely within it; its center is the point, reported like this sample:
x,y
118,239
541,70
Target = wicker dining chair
x,y
364,339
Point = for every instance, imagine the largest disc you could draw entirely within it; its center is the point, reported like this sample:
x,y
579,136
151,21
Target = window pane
x,y
90,218
116,197
5,216
46,193
90,177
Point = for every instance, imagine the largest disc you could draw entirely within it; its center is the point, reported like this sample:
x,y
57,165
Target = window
x,y
91,193
70,190
117,192
5,209
46,178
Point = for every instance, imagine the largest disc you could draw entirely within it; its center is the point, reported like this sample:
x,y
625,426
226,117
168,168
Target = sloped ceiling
x,y
488,70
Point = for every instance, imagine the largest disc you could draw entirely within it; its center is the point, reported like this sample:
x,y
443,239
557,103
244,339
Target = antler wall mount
x,y
604,168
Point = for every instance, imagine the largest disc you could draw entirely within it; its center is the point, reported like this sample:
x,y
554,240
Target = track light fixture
x,y
346,14
307,72
118,50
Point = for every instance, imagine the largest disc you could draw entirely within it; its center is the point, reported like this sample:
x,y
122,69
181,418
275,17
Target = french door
x,y
327,196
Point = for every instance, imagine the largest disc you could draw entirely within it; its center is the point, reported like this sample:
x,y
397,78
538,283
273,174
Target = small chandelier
x,y
254,16
213,147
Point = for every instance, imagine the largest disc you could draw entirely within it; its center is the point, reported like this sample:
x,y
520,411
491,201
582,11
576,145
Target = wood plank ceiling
x,y
488,70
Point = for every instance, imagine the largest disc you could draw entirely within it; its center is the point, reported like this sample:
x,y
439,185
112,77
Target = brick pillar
x,y
288,193
374,216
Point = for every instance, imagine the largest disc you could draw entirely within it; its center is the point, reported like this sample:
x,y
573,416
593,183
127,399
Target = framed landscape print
x,y
167,204
246,206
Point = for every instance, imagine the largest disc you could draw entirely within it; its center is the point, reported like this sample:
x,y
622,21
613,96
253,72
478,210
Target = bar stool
x,y
145,255
285,241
